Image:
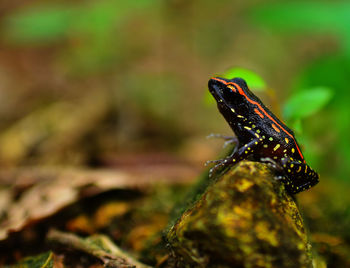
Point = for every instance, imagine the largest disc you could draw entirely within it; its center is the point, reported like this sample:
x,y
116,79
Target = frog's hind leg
x,y
279,171
295,175
302,176
272,163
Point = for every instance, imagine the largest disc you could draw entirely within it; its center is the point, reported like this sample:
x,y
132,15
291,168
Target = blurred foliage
x,y
328,71
90,27
253,80
48,22
308,16
306,103
139,49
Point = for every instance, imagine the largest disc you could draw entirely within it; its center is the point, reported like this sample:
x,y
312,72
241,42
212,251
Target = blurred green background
x,y
103,83
85,80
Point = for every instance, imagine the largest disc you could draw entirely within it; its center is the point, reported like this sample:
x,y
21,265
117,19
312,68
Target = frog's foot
x,y
271,163
228,139
219,164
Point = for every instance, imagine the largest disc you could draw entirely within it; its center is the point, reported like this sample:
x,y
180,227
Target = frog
x,y
259,135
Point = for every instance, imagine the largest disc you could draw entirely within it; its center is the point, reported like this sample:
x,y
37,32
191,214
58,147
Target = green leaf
x,y
253,80
307,102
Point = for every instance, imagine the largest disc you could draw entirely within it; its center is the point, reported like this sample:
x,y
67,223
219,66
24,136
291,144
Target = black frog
x,y
260,135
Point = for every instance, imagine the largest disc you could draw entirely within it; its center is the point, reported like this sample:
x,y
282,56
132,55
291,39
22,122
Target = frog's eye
x,y
232,88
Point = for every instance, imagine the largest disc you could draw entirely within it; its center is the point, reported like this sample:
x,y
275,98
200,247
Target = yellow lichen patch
x,y
263,262
273,201
248,250
242,212
301,246
264,233
229,222
244,185
246,238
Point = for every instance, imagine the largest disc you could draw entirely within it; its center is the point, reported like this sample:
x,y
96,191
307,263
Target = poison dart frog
x,y
260,135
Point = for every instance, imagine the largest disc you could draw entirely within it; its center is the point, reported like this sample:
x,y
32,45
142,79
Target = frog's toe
x,y
220,163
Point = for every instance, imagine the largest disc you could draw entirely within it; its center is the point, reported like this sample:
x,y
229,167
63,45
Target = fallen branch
x,y
99,246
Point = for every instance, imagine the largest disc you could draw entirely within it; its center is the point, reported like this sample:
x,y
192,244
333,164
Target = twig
x,y
99,246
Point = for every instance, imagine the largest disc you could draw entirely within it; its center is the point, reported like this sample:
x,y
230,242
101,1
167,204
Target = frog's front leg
x,y
238,154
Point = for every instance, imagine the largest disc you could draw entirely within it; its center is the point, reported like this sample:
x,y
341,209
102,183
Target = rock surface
x,y
244,219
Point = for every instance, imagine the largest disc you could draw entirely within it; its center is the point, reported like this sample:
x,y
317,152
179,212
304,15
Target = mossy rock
x,y
244,219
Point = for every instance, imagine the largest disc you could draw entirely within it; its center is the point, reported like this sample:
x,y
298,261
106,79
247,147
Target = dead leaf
x,y
49,190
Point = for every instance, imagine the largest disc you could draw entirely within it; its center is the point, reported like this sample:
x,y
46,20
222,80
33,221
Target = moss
x,y
244,219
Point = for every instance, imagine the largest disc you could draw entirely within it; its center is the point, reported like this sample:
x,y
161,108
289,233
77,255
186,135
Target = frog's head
x,y
228,93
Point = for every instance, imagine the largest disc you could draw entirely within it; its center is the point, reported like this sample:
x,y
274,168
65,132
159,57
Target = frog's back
x,y
271,129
